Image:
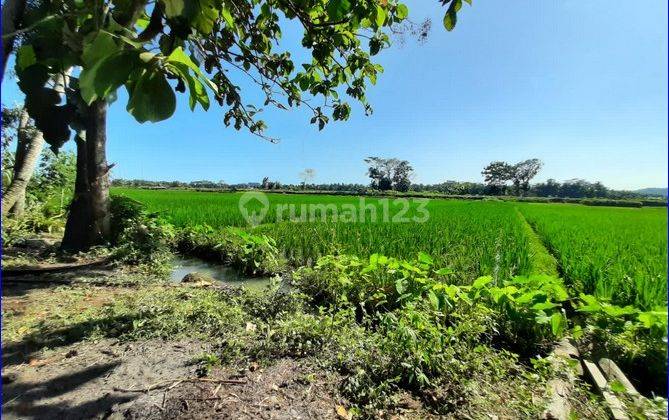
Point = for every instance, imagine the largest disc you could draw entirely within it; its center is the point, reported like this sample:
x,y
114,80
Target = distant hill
x,y
653,192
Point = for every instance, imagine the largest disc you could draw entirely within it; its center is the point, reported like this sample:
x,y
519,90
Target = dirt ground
x,y
149,379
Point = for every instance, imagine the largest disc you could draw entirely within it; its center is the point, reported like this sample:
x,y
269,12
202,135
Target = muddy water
x,y
226,275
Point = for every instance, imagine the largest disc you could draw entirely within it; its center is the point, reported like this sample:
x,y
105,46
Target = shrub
x,y
254,255
141,238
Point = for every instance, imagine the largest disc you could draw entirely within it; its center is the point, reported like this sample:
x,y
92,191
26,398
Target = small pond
x,y
226,275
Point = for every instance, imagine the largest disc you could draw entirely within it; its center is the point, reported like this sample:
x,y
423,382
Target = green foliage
x,y
47,194
34,220
529,308
472,238
614,254
252,254
205,362
483,287
142,45
141,238
53,182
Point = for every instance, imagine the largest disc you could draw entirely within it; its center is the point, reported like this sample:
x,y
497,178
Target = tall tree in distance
x,y
307,176
157,48
402,176
496,175
387,174
522,174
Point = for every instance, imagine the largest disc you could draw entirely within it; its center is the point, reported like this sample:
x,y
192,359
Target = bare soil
x,y
147,379
157,379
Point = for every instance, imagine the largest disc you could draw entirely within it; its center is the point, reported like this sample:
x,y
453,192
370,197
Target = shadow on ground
x,y
24,399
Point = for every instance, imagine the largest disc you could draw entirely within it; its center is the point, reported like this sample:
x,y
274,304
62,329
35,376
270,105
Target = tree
x,y
157,48
29,143
496,175
307,176
550,188
12,19
265,184
389,174
522,173
401,176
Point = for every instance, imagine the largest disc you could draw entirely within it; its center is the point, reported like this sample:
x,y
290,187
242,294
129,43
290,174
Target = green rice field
x,y
616,253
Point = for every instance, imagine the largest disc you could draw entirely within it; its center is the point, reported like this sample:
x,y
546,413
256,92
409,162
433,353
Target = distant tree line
x,y
390,174
574,188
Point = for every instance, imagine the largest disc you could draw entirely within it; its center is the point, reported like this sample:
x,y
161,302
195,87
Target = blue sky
x,y
581,85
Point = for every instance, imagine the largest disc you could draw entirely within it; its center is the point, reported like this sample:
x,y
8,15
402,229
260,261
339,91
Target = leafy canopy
x,y
157,48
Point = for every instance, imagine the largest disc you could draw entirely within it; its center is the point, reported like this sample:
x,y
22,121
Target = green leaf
x,y
400,286
142,22
380,16
557,324
541,318
434,300
444,271
337,9
152,98
653,318
201,14
617,387
450,19
481,281
100,47
174,8
107,75
403,11
204,22
25,57
527,297
425,259
542,306
198,93
179,56
229,20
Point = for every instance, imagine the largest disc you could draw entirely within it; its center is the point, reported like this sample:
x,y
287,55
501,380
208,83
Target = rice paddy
x,y
615,253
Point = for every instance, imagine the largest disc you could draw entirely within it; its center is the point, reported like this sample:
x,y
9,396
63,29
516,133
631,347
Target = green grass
x,y
615,253
474,238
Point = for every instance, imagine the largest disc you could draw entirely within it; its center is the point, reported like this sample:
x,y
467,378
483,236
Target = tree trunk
x,y
28,148
12,16
88,219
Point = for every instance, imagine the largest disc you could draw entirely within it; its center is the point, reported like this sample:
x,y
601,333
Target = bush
x,y
654,203
254,255
124,211
35,219
141,238
612,203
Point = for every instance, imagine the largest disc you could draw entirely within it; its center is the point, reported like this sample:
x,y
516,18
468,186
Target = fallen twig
x,y
175,382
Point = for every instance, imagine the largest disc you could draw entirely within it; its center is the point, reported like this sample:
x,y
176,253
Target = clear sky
x,y
581,85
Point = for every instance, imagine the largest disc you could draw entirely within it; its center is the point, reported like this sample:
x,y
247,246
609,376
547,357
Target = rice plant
x,y
614,253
